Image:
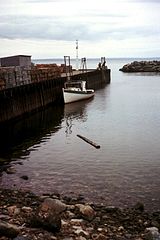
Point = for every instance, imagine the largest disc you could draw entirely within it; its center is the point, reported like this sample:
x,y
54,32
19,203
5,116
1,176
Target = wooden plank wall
x,y
20,100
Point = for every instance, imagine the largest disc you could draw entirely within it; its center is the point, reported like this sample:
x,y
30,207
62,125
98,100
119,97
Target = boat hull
x,y
74,96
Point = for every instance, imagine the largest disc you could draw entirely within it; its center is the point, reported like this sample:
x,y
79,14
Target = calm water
x,y
123,118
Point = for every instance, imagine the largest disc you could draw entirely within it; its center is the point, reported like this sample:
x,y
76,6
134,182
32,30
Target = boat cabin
x,y
77,85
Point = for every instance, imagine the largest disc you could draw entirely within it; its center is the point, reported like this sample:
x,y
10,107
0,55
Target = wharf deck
x,y
77,72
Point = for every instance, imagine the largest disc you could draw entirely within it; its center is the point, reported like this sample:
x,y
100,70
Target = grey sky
x,y
49,28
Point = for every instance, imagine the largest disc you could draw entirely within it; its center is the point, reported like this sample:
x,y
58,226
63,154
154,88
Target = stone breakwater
x,y
25,216
141,66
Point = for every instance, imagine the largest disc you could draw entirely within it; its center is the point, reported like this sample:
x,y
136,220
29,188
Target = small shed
x,y
18,60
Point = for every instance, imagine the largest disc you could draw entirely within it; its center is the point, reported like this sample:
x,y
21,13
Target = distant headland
x,y
141,66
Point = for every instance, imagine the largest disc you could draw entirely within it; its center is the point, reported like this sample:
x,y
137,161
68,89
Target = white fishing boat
x,y
76,91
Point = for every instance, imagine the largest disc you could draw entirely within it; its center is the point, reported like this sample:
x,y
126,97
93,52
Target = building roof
x,y
17,56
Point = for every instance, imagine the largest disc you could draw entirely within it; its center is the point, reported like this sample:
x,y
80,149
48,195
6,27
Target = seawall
x,y
95,78
20,100
142,66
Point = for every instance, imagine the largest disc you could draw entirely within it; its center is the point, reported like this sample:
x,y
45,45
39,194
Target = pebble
x,y
24,177
10,170
26,209
75,222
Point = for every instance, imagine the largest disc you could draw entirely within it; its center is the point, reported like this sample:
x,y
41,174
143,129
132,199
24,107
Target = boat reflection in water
x,y
75,111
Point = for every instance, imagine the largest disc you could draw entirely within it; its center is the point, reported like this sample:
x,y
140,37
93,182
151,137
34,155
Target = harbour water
x,y
123,118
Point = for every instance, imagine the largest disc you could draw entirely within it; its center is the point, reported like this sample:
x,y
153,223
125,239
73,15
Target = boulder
x,y
152,233
86,211
8,230
48,215
53,205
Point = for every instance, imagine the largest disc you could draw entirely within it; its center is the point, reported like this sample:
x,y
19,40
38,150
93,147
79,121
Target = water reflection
x,y
75,111
16,138
123,117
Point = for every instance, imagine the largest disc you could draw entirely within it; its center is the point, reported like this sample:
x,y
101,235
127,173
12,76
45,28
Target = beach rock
x,y
4,217
98,237
48,215
80,232
8,230
26,209
53,205
68,238
10,170
139,206
76,222
21,238
152,233
47,221
86,211
24,177
51,219
13,210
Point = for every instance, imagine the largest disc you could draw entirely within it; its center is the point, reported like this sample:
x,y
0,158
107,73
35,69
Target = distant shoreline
x,y
95,58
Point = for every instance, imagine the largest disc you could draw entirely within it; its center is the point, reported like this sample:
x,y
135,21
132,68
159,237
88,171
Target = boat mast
x,y
77,55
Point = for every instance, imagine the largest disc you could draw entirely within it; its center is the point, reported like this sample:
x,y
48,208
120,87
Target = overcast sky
x,y
110,28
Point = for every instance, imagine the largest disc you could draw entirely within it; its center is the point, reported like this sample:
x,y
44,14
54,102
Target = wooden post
x,y
88,141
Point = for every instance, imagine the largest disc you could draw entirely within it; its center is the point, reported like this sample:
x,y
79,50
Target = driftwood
x,y
88,141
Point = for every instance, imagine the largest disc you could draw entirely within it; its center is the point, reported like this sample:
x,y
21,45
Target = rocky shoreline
x,y
141,66
26,216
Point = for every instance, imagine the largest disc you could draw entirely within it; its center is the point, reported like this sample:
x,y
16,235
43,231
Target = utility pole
x,y
77,67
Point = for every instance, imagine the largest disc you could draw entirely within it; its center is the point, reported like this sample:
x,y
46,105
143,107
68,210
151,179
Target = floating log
x,y
88,141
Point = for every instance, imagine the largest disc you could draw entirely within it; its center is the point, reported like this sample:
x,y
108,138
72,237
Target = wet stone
x,y
10,170
8,230
21,238
24,177
86,211
56,219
